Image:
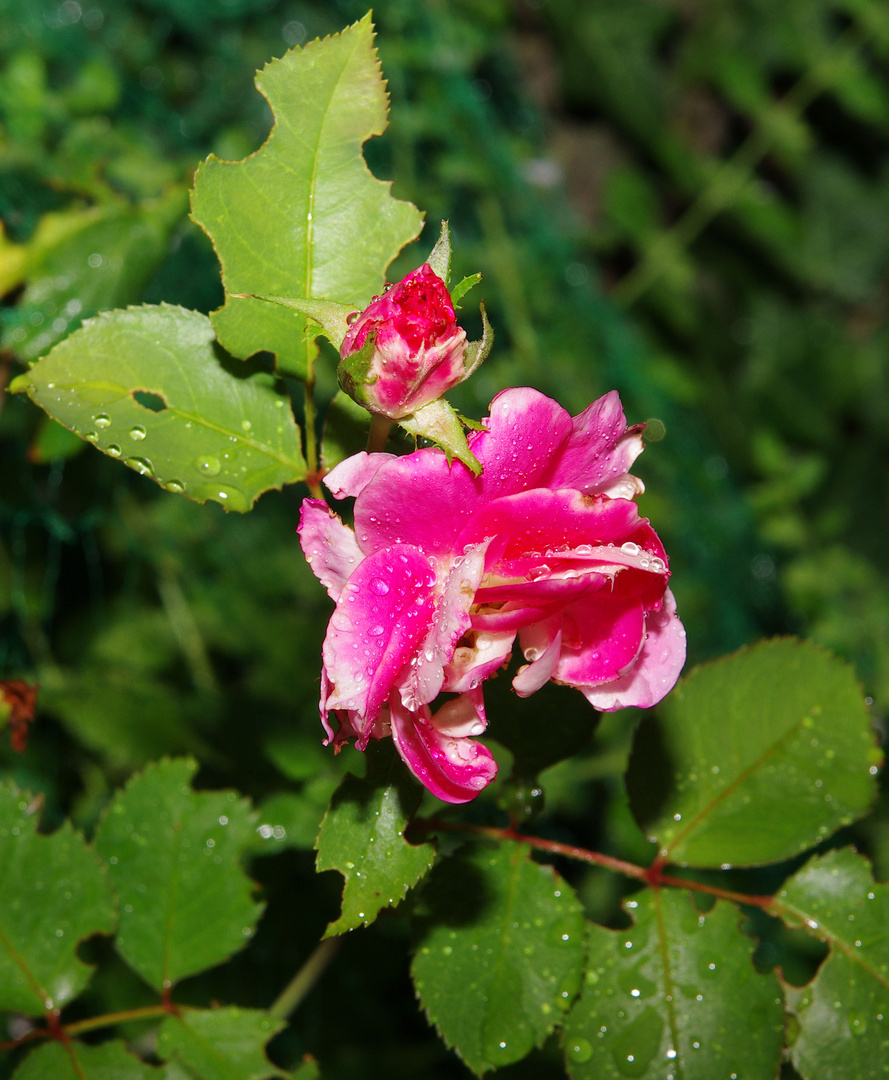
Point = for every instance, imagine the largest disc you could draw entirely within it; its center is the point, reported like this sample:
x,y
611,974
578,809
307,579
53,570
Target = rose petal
x,y
541,645
454,770
656,669
450,622
601,637
599,452
328,545
421,500
350,477
381,617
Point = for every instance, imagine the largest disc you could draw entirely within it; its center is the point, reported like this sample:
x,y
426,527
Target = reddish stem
x,y
651,875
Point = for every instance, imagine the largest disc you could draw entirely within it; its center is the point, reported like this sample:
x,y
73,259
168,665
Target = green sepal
x,y
478,351
463,288
353,372
438,422
440,257
331,317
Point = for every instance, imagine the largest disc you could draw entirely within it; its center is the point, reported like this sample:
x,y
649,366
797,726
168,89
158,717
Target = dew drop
x,y
629,548
137,433
140,465
208,465
102,421
379,587
579,1050
176,486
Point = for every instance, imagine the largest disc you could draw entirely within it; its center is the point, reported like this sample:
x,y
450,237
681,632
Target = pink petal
x,y
601,637
351,476
481,654
541,644
328,545
656,670
421,500
599,451
380,619
450,622
455,770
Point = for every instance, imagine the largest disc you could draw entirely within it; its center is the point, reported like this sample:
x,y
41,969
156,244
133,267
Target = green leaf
x,y
362,836
53,894
757,757
303,217
174,857
199,429
220,1044
843,1013
675,994
86,260
499,958
78,1061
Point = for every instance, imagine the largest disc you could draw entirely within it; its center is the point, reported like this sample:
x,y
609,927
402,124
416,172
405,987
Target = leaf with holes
x,y
77,1061
174,856
220,1044
843,1014
675,994
362,836
755,757
498,959
150,386
303,217
53,894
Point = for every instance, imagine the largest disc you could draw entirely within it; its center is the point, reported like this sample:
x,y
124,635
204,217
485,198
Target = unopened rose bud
x,y
405,350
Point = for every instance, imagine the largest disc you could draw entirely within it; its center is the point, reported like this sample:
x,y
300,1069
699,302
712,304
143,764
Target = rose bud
x,y
405,350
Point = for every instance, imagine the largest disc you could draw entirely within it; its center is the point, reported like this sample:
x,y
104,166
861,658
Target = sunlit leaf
x,y
303,217
755,757
843,1014
674,994
53,894
173,854
150,387
499,961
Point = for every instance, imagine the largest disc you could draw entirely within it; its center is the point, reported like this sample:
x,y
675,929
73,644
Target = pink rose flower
x,y
445,569
417,348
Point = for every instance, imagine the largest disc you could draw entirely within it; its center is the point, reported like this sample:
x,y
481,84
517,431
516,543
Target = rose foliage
x,y
444,570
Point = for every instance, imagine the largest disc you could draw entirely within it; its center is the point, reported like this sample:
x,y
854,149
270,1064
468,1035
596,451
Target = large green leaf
x,y
174,857
205,431
758,756
499,959
362,836
78,1061
53,894
220,1044
675,994
303,217
843,1014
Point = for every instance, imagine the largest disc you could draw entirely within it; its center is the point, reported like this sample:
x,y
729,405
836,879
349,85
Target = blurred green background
x,y
685,201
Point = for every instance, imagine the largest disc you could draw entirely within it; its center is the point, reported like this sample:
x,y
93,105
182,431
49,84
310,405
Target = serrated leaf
x,y
173,855
674,994
362,836
843,1013
87,260
499,959
755,757
303,217
221,435
53,894
78,1061
220,1044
